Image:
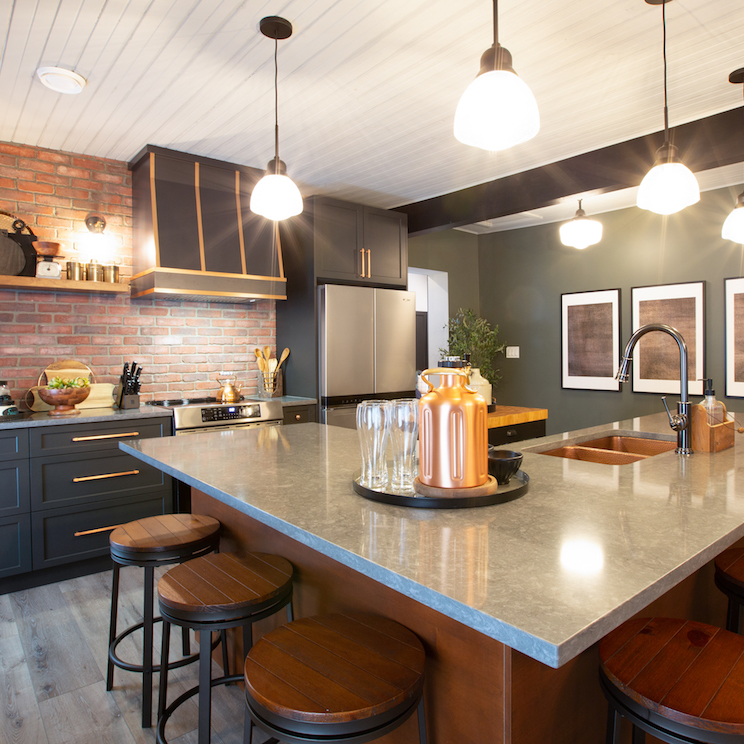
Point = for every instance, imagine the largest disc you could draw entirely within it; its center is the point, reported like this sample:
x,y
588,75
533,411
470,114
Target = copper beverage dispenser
x,y
453,432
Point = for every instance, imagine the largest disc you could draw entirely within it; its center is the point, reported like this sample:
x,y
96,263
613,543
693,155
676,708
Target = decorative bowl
x,y
64,400
503,464
45,248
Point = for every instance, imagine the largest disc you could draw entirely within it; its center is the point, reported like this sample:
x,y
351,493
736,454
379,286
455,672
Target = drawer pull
x,y
106,436
298,416
93,532
511,432
105,475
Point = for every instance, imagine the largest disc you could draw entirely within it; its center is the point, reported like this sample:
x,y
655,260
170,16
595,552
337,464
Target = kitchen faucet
x,y
680,422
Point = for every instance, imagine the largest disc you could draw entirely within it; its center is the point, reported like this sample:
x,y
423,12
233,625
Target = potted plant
x,y
470,334
64,394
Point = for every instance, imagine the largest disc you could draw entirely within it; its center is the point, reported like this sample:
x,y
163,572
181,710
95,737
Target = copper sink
x,y
613,449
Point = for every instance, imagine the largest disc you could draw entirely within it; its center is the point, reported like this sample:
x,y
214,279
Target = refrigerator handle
x,y
361,251
369,265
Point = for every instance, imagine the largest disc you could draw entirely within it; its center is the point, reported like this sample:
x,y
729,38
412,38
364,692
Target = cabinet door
x,y
386,246
14,487
13,444
15,545
338,236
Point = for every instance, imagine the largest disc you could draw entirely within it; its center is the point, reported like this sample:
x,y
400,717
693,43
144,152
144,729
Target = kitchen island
x,y
510,599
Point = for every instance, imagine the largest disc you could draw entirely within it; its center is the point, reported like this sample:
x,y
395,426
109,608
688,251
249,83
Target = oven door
x,y
205,429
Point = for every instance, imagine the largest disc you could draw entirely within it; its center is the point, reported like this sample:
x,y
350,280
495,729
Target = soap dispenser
x,y
713,407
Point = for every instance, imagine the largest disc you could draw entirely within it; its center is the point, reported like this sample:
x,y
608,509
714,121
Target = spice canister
x,y
453,432
110,273
76,271
94,271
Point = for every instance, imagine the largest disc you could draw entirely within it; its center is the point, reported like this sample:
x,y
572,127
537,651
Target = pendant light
x,y
670,185
276,196
497,110
733,227
581,232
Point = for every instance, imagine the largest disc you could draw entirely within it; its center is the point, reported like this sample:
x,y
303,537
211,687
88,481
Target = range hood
x,y
195,237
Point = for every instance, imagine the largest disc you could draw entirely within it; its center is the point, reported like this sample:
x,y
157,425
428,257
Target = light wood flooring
x,y
53,653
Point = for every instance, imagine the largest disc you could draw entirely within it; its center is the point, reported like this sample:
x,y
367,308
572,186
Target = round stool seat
x,y
163,536
334,676
678,679
224,586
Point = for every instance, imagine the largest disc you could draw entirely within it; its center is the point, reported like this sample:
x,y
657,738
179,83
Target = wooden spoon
x,y
267,353
284,355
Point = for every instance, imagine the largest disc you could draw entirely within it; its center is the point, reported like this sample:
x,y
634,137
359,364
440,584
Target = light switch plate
x,y
512,352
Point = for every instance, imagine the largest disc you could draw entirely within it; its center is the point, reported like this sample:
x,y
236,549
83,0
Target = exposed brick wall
x,y
184,347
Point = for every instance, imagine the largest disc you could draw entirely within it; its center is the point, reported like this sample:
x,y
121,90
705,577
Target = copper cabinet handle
x,y
106,436
361,250
369,265
105,475
298,416
93,532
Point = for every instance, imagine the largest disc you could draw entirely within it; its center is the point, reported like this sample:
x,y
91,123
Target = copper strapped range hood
x,y
195,237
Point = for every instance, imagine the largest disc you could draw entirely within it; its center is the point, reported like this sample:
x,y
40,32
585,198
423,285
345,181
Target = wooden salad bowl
x,y
64,400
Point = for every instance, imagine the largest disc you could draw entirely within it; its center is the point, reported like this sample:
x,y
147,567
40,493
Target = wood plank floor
x,y
53,653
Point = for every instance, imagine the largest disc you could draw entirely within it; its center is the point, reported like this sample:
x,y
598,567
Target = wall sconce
x,y
95,224
95,245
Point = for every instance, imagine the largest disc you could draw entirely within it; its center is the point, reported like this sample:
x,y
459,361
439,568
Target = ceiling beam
x,y
712,142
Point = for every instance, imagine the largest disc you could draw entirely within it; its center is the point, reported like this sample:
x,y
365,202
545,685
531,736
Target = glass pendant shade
x,y
580,232
276,197
733,227
667,188
496,111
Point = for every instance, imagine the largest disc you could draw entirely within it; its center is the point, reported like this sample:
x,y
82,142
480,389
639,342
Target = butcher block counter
x,y
510,600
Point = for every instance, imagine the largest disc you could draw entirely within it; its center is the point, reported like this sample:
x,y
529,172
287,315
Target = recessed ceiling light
x,y
61,80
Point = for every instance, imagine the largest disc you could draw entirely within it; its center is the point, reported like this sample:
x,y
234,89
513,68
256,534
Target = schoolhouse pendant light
x,y
580,232
670,185
497,110
276,196
733,227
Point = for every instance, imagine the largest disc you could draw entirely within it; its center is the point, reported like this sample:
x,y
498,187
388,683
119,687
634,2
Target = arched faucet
x,y
680,422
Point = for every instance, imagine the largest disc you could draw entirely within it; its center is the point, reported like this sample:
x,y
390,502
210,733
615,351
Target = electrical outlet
x,y
512,352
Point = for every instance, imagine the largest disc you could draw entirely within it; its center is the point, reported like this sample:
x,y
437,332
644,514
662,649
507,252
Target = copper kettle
x,y
229,392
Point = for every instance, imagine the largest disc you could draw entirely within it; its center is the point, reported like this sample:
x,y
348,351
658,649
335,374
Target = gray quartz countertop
x,y
548,574
83,416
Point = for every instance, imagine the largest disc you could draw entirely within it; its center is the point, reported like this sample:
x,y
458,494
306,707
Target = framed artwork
x,y
734,315
590,340
656,356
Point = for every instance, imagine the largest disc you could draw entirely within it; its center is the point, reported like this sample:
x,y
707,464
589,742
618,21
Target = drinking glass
x,y
373,427
404,434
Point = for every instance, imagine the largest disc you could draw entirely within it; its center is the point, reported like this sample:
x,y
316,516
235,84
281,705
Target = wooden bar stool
x,y
729,579
149,543
676,679
216,592
335,678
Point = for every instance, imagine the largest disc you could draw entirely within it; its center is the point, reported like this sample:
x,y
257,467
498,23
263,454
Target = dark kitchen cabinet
x,y
359,244
15,545
516,432
300,414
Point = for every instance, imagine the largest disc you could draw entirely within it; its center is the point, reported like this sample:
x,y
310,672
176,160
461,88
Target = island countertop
x,y
549,574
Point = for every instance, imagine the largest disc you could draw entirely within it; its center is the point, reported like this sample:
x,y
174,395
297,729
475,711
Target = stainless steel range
x,y
193,415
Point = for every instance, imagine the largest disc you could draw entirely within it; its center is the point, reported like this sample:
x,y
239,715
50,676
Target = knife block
x,y
129,401
710,438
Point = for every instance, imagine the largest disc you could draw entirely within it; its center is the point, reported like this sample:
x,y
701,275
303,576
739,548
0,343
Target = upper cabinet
x,y
356,244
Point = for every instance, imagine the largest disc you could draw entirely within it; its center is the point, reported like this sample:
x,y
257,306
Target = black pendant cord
x,y
276,106
666,107
495,23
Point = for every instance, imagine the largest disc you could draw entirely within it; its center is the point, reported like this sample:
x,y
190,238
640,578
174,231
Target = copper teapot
x,y
230,391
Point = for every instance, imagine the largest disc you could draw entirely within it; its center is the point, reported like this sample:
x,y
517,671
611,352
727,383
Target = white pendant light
x,y
733,227
276,196
581,232
497,110
670,185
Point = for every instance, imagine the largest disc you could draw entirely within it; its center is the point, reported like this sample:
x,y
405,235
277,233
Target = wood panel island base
x,y
509,600
478,690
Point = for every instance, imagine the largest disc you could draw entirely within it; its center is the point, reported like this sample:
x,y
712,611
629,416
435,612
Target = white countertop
x,y
548,574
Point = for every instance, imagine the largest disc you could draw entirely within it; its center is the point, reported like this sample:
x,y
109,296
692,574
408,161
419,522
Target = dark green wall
x,y
523,273
456,253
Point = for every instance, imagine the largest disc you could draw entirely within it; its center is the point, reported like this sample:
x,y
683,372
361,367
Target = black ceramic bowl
x,y
503,464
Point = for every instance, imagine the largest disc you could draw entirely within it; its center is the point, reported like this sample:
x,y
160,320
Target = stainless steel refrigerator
x,y
367,338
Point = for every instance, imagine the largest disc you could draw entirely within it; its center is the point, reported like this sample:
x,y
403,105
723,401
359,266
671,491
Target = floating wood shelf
x,y
62,285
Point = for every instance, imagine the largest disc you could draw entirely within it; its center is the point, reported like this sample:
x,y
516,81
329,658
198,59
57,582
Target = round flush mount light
x,y
60,80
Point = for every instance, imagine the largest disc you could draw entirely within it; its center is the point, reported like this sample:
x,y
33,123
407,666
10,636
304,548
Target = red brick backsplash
x,y
183,347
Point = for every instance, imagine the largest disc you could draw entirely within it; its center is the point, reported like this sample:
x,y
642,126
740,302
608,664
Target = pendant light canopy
x,y
276,196
497,110
670,185
733,227
581,232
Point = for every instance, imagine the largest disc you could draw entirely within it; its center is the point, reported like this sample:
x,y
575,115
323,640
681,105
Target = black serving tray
x,y
515,488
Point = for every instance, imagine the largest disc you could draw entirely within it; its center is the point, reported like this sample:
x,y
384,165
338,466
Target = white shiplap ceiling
x,y
367,88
